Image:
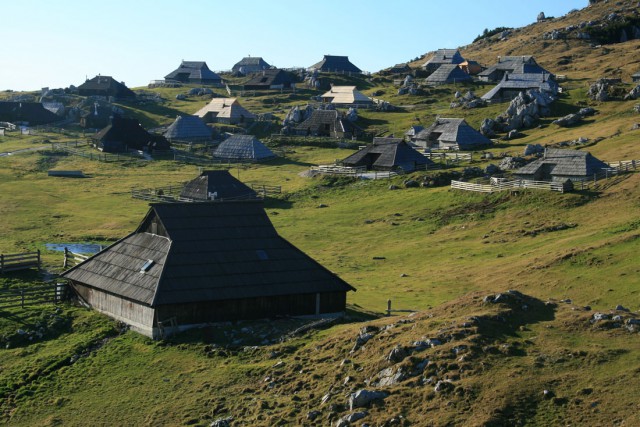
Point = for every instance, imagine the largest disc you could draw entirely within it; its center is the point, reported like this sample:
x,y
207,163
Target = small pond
x,y
79,248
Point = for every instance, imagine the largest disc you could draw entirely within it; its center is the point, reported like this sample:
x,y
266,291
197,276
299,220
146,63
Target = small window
x,y
262,255
147,265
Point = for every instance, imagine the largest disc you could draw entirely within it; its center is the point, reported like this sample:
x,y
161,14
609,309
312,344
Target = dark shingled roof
x,y
448,73
333,64
453,131
250,64
445,56
194,71
127,132
387,154
514,64
523,82
32,112
220,182
105,86
188,128
268,78
316,124
242,147
564,163
204,252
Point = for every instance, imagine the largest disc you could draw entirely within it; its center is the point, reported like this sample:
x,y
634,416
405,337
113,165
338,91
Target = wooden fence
x,y
266,190
496,186
52,293
71,259
23,261
75,149
339,170
454,157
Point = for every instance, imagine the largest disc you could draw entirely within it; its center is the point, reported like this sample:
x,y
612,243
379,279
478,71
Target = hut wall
x,y
139,317
253,308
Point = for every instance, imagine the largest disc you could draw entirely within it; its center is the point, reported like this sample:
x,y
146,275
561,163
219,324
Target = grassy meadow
x,y
436,253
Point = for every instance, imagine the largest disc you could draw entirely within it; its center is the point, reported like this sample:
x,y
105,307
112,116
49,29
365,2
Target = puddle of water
x,y
79,248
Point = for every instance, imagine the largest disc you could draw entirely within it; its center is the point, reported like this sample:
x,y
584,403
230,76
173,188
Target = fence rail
x,y
23,261
266,190
496,186
71,259
10,298
454,157
78,150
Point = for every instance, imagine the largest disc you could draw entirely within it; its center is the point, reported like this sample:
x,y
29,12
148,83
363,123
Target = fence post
x,y
38,260
66,255
389,307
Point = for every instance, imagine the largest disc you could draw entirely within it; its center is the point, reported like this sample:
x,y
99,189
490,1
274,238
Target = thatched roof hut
x,y
327,123
448,73
105,86
32,113
250,65
225,110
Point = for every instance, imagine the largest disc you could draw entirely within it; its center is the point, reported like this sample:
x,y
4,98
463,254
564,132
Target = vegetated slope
x,y
577,58
439,252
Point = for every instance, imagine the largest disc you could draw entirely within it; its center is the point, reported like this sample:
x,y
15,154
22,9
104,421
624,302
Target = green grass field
x,y
433,251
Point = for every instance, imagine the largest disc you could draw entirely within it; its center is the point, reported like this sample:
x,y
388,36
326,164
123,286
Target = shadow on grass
x,y
516,311
284,161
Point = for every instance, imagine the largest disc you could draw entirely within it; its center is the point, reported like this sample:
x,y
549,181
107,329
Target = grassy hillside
x,y
446,259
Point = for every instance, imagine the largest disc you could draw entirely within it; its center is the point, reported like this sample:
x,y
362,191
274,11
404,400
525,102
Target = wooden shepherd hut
x,y
195,72
388,154
442,57
32,113
335,64
450,134
225,110
123,134
329,123
105,86
217,185
448,73
189,264
558,165
188,128
250,65
242,148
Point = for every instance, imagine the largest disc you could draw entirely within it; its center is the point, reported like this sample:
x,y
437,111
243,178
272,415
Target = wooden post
x,y
38,260
389,307
66,254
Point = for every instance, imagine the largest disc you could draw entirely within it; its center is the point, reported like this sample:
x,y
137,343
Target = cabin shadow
x,y
274,203
263,332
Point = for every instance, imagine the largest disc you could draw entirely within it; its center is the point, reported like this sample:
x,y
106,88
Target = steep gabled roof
x,y
188,128
197,70
317,121
515,64
567,163
225,108
331,63
523,82
107,86
251,64
386,153
32,112
242,147
346,95
204,252
218,182
454,130
445,56
271,77
448,73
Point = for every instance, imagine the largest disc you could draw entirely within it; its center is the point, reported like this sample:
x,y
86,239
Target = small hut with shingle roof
x,y
560,165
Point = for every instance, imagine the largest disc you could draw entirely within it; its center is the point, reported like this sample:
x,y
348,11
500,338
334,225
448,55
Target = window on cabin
x,y
147,265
